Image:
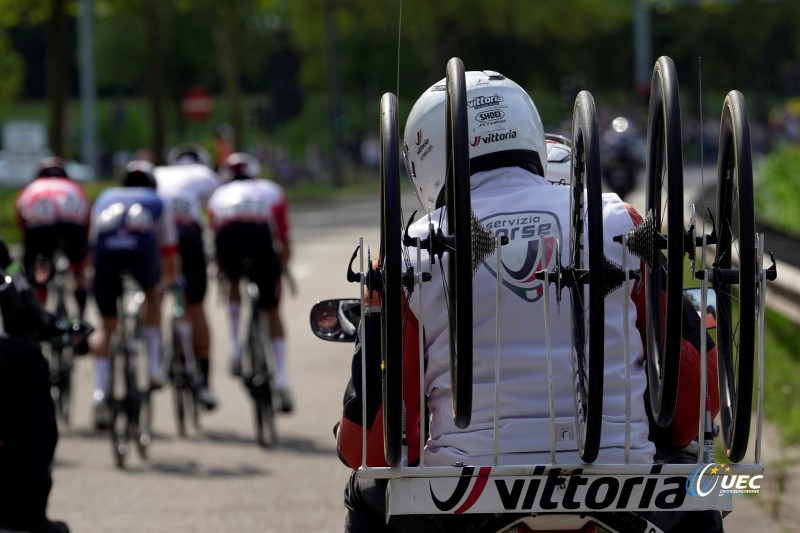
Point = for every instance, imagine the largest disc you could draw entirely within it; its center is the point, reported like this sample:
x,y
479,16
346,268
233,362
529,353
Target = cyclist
x,y
53,214
250,221
186,184
508,160
131,229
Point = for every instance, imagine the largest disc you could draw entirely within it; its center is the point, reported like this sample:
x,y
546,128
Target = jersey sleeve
x,y
280,213
350,429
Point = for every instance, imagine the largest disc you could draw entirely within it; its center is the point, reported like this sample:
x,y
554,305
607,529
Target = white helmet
x,y
188,154
503,125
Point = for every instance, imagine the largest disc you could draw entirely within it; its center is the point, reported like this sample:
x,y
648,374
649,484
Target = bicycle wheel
x,y
734,275
178,378
663,273
144,427
586,266
119,427
261,387
390,267
459,225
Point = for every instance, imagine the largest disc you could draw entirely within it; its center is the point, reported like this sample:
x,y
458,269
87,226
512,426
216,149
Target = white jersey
x,y
523,206
186,188
248,200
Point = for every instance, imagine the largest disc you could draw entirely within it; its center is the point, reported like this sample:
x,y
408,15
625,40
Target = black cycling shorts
x,y
193,261
72,239
110,265
245,250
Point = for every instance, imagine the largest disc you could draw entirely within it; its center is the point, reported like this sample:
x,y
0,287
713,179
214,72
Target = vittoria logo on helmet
x,y
493,138
424,146
482,101
522,256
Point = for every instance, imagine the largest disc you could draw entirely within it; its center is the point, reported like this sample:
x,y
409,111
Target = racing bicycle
x,y
59,353
128,401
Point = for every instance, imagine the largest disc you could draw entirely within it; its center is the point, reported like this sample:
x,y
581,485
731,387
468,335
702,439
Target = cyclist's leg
x,y
77,251
266,273
39,243
193,262
229,244
146,270
107,289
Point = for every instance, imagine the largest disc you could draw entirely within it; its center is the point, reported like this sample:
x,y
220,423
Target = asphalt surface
x,y
219,480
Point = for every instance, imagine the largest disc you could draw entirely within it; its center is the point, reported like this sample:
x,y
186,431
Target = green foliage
x,y
782,375
777,189
12,69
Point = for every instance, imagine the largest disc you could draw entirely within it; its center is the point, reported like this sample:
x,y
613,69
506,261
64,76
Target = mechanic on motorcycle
x,y
133,232
186,184
249,217
53,214
510,196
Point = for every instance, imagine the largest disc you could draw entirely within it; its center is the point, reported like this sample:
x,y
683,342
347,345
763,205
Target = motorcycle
x,y
622,156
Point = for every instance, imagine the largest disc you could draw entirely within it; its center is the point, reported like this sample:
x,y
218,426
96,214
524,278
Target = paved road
x,y
219,480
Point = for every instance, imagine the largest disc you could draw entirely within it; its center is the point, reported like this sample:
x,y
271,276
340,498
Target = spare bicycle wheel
x,y
734,275
390,266
663,274
459,258
586,268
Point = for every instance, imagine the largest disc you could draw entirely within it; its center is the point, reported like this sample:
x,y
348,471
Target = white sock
x,y
152,339
234,314
279,347
101,366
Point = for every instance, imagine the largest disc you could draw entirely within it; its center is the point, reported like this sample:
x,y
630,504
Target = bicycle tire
x,y
664,312
587,331
118,413
736,242
144,417
178,375
459,263
390,266
260,384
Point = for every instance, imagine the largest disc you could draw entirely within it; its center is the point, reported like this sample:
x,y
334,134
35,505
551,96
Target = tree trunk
x,y
227,59
155,78
57,51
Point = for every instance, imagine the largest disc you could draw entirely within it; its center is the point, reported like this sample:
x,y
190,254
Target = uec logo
x,y
704,479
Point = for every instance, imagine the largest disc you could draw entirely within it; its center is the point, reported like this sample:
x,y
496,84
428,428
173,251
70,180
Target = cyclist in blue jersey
x,y
132,231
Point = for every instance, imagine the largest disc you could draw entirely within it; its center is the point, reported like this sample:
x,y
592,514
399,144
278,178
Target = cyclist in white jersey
x,y
186,184
250,220
511,197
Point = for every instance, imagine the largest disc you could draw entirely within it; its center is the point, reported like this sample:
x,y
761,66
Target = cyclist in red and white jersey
x,y
186,184
249,217
53,214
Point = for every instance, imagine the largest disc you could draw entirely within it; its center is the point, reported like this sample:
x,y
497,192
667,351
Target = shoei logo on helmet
x,y
493,137
481,101
522,256
490,114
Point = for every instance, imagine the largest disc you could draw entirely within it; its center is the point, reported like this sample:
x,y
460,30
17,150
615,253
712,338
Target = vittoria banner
x,y
550,489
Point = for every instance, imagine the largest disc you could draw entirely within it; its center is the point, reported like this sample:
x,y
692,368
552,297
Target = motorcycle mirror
x,y
336,320
694,295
